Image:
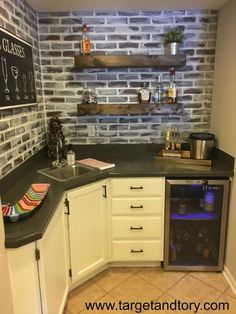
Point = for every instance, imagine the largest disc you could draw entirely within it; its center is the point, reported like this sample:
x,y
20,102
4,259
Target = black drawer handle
x,y
136,188
136,228
132,206
136,251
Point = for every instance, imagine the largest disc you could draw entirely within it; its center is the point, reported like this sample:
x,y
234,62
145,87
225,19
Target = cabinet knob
x,y
136,251
136,188
136,228
134,206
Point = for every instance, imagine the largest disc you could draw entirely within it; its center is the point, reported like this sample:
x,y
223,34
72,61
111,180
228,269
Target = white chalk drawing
x,y
24,83
5,74
14,71
31,82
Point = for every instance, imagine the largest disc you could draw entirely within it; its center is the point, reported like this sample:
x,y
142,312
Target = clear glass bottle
x,y
209,199
172,92
158,96
144,95
85,42
70,156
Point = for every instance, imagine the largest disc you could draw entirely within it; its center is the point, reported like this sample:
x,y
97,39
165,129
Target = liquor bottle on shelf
x,y
199,242
172,92
85,42
206,247
144,95
158,96
182,203
209,198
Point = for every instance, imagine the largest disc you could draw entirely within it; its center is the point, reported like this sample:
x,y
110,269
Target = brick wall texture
x,y
116,32
21,129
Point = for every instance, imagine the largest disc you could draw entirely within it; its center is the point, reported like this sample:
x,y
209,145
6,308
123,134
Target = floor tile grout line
x,y
208,284
131,274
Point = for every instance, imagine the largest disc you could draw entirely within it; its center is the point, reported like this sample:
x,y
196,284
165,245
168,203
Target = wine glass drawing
x,y
31,82
14,71
24,83
5,74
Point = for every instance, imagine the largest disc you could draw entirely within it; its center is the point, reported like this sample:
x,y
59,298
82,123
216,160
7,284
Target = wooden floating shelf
x,y
120,109
124,61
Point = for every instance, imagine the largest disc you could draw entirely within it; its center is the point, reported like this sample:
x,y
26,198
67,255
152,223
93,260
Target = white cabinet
x,y
137,219
24,281
39,271
53,264
88,222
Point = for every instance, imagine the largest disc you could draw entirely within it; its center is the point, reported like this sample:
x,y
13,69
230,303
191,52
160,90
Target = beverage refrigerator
x,y
195,224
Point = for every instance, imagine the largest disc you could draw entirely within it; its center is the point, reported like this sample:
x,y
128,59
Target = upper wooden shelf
x,y
119,109
124,61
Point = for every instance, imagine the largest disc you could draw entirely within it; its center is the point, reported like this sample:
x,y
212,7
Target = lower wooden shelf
x,y
117,109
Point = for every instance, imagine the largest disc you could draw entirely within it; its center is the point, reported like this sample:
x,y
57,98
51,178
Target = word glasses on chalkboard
x,y
17,84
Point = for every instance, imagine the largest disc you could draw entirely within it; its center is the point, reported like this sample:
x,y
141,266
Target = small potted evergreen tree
x,y
172,39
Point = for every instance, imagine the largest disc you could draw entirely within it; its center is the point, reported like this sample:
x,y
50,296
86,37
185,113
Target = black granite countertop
x,y
134,160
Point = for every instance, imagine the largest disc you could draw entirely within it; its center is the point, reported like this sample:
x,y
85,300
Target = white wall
x,y
223,121
5,290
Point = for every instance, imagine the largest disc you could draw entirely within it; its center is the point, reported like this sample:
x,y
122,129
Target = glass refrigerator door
x,y
195,222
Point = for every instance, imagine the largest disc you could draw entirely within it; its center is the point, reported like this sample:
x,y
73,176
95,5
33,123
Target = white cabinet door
x,y
87,230
54,269
24,281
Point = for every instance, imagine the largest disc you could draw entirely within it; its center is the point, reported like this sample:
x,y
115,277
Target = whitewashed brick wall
x,y
21,129
133,32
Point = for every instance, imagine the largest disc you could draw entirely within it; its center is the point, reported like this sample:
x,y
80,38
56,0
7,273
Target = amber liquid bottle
x,y
172,92
85,42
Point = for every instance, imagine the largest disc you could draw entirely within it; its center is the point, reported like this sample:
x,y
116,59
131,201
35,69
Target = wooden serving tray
x,y
182,157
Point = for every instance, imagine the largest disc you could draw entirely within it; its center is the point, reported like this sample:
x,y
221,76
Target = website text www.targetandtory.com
x,y
155,306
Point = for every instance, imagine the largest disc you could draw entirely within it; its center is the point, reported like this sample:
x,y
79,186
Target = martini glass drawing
x,y
14,71
24,83
5,74
31,82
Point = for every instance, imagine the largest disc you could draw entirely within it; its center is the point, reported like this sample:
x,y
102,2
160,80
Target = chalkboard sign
x,y
17,84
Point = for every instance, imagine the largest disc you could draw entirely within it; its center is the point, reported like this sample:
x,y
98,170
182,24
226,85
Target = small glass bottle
x,y
85,42
144,95
70,156
158,96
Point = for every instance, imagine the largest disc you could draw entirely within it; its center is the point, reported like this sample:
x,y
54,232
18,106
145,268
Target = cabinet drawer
x,y
137,228
137,251
137,206
137,186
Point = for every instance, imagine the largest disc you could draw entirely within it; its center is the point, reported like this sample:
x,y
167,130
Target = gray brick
x,y
94,21
3,126
47,21
71,21
128,45
140,37
117,20
162,20
105,45
104,29
139,20
116,37
186,19
6,169
107,77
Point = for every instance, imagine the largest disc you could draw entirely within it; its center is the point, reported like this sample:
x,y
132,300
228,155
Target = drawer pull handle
x,y
132,206
136,251
136,188
136,228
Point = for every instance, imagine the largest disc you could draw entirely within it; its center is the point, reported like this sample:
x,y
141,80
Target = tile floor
x,y
132,284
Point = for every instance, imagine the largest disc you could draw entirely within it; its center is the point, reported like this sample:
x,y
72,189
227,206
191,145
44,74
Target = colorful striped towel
x,y
32,199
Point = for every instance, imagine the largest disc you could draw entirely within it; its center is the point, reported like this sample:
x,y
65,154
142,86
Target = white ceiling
x,y
108,5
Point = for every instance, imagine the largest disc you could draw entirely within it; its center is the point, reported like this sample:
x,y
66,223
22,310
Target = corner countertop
x,y
132,160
